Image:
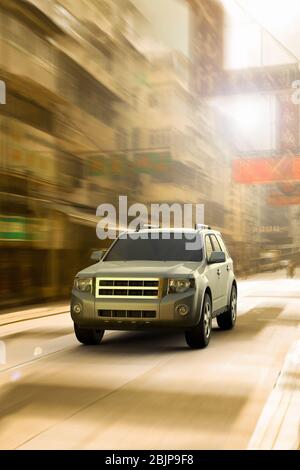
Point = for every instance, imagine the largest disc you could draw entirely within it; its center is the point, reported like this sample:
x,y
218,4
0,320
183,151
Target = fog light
x,y
77,308
183,310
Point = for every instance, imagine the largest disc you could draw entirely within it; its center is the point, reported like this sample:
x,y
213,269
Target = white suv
x,y
153,281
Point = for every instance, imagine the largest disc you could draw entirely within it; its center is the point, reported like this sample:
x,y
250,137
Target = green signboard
x,y
149,162
152,162
19,228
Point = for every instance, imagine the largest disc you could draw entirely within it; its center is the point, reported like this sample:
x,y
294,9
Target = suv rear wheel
x,y
88,336
226,320
199,336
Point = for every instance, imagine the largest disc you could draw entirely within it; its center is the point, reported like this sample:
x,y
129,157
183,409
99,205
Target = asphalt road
x,y
146,390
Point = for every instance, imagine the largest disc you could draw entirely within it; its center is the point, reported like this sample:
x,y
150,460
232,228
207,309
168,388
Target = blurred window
x,y
104,8
152,139
121,138
73,80
160,138
153,101
166,138
135,138
135,101
15,32
31,113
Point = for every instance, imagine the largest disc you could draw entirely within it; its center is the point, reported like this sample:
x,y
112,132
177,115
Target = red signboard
x,y
266,170
277,199
286,194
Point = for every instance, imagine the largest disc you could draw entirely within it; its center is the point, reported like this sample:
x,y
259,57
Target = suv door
x,y
222,272
211,272
229,263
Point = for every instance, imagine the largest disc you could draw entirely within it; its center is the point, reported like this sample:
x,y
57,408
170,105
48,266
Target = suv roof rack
x,y
150,226
142,226
202,227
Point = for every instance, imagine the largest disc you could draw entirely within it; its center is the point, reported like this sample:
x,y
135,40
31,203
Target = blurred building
x,y
164,149
69,69
171,139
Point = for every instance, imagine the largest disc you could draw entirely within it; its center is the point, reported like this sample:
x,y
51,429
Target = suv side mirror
x,y
97,255
217,257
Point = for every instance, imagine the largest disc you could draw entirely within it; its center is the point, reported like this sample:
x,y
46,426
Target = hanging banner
x,y
277,199
266,170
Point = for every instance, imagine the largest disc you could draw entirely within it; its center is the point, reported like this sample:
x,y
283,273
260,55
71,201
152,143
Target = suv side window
x,y
208,246
215,243
223,246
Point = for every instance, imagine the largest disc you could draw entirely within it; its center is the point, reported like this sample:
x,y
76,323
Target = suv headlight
x,y
83,284
180,285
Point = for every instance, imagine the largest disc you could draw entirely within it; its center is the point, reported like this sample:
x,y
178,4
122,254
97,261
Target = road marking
x,y
32,317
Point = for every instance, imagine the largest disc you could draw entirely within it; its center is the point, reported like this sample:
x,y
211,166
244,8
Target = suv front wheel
x,y
199,336
88,336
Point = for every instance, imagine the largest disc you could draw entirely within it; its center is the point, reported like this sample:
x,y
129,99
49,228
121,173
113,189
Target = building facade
x,y
68,69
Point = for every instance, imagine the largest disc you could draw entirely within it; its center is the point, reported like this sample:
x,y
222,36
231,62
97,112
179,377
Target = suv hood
x,y
140,268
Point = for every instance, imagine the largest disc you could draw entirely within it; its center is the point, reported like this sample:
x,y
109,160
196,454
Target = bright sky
x,y
281,17
270,40
170,21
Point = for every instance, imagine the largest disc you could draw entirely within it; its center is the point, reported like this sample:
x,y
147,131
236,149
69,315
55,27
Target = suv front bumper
x,y
135,314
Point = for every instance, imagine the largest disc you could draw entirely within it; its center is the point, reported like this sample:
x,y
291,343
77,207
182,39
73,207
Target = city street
x,y
150,177
146,390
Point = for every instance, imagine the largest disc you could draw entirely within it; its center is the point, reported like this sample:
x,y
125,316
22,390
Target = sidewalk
x,y
34,311
278,427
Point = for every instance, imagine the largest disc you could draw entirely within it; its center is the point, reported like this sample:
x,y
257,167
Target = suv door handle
x,y
218,272
228,267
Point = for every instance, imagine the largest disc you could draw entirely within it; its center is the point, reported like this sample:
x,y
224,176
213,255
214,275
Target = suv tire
x,y
88,336
227,320
199,336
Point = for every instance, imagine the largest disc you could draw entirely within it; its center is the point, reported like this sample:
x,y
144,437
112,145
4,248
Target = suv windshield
x,y
159,249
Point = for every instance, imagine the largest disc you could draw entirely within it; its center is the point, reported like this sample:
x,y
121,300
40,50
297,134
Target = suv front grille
x,y
127,313
130,288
